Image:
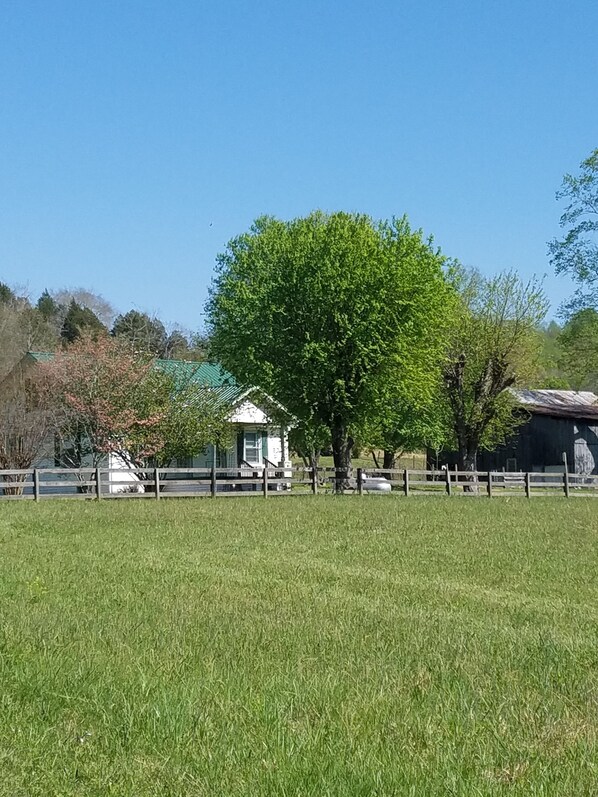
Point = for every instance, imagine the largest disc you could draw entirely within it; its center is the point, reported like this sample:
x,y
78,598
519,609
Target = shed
x,y
559,426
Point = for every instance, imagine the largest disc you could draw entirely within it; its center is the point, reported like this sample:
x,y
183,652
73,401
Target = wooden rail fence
x,y
103,483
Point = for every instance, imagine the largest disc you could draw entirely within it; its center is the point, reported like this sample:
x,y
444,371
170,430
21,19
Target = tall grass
x,y
317,646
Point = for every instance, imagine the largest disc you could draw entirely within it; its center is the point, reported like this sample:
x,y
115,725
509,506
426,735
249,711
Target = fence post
x,y
489,487
213,482
36,484
566,476
314,480
360,481
98,484
265,475
157,483
528,492
406,482
448,482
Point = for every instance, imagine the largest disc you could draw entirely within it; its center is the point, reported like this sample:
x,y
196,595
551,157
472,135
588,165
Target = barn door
x,y
586,457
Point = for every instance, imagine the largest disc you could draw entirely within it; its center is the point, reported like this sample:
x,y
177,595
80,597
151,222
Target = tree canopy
x,y
324,311
493,345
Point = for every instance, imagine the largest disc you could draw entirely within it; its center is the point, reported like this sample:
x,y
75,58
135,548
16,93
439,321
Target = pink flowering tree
x,y
108,398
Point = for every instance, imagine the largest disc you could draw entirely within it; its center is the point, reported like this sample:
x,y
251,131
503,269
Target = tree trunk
x,y
389,459
342,443
467,462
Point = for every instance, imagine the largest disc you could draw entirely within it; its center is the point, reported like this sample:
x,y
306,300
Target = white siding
x,y
248,413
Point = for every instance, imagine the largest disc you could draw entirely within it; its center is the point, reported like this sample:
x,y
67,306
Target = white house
x,y
258,438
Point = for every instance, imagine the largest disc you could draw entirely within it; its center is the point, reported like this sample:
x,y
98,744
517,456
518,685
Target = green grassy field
x,y
299,646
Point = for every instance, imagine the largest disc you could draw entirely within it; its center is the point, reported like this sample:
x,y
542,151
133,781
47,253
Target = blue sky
x,y
136,138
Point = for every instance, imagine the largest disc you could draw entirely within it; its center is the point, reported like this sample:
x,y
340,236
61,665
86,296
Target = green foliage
x,y
579,349
22,328
321,311
7,295
551,375
48,307
86,298
494,345
80,322
199,347
193,419
363,648
405,411
577,253
308,439
177,346
144,333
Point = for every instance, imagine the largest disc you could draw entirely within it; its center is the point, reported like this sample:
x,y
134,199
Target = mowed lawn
x,y
299,646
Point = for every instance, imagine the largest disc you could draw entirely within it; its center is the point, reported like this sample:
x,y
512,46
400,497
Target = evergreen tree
x,y
80,321
7,295
143,332
48,307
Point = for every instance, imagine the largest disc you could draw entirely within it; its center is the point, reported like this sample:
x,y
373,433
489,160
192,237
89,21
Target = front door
x,y
252,447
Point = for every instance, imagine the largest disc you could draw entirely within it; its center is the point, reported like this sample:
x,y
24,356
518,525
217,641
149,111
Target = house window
x,y
252,447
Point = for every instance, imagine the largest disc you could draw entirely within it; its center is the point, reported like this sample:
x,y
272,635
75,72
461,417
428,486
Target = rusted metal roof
x,y
581,404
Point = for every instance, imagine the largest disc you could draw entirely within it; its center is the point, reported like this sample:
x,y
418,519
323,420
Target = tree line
x,y
364,330
57,319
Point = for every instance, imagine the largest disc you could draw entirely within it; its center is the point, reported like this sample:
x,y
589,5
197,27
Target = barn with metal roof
x,y
561,427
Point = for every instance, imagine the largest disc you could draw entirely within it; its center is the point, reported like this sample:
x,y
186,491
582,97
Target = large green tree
x,y
324,311
577,253
494,344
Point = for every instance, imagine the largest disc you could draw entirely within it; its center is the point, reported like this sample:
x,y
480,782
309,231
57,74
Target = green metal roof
x,y
41,356
209,375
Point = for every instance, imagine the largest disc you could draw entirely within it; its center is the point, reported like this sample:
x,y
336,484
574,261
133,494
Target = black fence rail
x,y
105,483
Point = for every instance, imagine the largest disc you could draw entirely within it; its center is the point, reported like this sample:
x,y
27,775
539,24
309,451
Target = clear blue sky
x,y
138,136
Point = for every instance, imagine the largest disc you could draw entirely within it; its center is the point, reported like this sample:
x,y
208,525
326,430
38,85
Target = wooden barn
x,y
561,424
